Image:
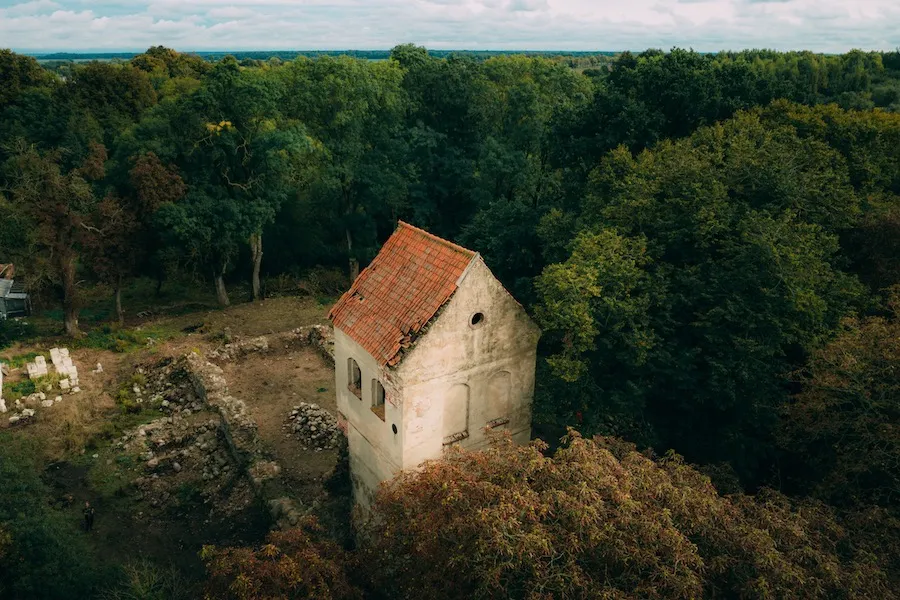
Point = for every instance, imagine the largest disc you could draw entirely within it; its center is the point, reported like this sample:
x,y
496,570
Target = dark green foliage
x,y
692,231
705,270
15,330
48,557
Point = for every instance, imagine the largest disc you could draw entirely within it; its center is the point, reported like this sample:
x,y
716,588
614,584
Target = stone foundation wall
x,y
238,428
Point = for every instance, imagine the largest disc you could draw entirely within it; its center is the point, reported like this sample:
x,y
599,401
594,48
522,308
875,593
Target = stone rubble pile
x,y
185,447
315,427
235,350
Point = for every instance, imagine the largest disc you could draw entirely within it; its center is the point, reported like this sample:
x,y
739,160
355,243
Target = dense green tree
x,y
18,75
353,109
55,203
706,268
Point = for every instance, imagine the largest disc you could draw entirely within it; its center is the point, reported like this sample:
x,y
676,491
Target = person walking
x,y
88,517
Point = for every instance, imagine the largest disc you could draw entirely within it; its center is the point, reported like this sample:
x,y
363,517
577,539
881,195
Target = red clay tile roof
x,y
412,277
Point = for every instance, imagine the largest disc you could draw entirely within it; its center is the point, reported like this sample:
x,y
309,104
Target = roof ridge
x,y
438,239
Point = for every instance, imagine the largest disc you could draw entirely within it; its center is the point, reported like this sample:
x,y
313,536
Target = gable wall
x,y
453,360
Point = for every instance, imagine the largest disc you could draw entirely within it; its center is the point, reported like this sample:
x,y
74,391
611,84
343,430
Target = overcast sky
x,y
705,25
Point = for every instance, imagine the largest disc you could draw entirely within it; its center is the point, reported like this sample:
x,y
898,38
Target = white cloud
x,y
709,25
32,8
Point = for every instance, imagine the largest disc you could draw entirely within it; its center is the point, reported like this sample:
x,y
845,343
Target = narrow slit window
x,y
354,378
378,399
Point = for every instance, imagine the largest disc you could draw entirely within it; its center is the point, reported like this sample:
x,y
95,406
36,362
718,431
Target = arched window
x,y
354,378
378,399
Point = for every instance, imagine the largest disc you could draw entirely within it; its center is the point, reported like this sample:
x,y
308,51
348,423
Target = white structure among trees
x,y
430,351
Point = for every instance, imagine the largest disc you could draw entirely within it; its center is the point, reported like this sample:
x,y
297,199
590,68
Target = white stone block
x,y
64,384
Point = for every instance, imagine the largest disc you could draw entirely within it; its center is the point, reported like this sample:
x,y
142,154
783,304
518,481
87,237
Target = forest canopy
x,y
710,243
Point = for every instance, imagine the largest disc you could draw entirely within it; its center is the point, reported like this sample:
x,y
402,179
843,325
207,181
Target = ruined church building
x,y
430,351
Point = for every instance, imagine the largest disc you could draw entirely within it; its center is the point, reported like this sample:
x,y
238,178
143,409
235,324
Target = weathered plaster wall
x,y
375,450
495,360
456,377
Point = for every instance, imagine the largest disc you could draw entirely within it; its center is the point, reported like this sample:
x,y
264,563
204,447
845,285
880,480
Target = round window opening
x,y
477,319
394,428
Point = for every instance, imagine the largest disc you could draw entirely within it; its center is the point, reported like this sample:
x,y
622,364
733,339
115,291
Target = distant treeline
x,y
292,54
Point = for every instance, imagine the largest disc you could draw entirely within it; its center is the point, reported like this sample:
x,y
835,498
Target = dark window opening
x,y
477,319
378,399
354,378
394,428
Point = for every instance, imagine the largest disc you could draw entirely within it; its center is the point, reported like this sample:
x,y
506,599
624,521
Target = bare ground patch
x,y
271,384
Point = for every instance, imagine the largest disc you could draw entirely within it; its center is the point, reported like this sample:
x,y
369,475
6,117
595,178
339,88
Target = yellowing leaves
x,y
218,128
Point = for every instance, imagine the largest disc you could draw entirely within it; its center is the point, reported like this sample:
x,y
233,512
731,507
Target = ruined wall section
x,y
238,428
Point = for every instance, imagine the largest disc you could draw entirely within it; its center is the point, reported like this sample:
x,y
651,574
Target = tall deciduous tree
x,y
353,108
298,564
120,234
57,202
844,427
740,276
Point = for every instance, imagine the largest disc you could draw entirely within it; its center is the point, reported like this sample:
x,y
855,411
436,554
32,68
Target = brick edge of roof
x,y
393,360
439,240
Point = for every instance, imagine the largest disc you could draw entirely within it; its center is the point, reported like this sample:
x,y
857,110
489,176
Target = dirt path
x,y
272,384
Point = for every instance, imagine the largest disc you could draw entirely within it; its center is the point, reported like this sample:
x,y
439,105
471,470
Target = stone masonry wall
x,y
239,429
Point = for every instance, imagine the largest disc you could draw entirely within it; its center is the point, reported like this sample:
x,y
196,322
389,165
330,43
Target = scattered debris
x,y
315,427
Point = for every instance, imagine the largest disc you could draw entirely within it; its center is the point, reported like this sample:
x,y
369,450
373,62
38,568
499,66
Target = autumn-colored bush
x,y
600,520
294,564
844,427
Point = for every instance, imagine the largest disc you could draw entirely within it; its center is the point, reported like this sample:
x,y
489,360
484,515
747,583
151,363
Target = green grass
x,y
20,360
114,339
114,427
18,390
109,474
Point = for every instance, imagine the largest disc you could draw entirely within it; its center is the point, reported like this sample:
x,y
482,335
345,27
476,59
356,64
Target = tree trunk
x,y
70,302
256,252
119,312
354,264
221,292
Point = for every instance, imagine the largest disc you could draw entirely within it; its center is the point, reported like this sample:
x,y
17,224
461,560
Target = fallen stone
x,y
64,384
47,403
